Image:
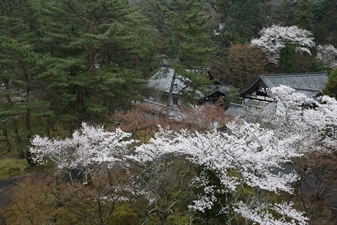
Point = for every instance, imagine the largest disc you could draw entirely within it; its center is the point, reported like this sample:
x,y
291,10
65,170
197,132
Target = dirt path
x,y
5,186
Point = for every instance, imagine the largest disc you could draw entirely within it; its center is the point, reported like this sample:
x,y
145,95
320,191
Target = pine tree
x,y
303,15
331,86
325,22
50,52
18,60
288,58
101,47
187,43
242,18
155,17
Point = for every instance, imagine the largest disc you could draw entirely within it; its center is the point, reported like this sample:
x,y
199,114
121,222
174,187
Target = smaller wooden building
x,y
310,84
216,91
161,81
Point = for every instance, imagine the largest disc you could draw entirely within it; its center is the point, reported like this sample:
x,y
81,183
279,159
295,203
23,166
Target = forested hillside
x,y
69,63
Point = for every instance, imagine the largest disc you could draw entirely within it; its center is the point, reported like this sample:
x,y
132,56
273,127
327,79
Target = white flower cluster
x,y
89,146
327,54
245,156
274,38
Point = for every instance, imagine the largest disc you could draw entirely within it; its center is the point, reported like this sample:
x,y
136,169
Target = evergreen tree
x,y
331,86
18,60
275,12
288,58
241,19
186,44
151,10
303,15
101,48
50,52
325,22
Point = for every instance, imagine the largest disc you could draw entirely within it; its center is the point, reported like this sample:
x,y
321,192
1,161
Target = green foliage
x,y
188,41
317,66
242,18
276,12
97,47
303,15
325,22
11,166
19,64
227,38
125,213
232,96
185,42
150,8
49,54
288,59
331,86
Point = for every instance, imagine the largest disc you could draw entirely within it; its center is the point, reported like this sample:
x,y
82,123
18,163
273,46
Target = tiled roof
x,y
302,81
222,88
235,110
310,84
162,79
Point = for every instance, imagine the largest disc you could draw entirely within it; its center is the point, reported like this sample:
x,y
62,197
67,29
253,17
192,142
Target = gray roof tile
x,y
303,81
310,84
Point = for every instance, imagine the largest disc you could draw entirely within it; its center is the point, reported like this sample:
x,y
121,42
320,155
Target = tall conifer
x,y
100,47
288,58
303,15
187,42
18,60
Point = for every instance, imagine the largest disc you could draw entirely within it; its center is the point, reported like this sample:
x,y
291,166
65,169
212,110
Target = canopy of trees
x,y
67,66
241,171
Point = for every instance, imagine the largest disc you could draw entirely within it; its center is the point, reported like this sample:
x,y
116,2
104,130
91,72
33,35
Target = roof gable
x,y
310,84
300,81
161,80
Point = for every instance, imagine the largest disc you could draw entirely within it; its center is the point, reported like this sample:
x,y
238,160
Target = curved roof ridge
x,y
251,86
312,81
306,89
294,74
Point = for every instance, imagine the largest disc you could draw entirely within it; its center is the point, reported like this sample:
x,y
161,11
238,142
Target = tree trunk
x,y
170,97
17,138
5,133
28,154
28,118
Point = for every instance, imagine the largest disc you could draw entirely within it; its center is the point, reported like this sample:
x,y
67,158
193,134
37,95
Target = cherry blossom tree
x,y
97,155
298,126
87,150
248,160
256,154
295,113
327,54
315,120
275,38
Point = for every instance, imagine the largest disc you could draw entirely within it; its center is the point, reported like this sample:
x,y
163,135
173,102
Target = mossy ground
x,y
11,166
